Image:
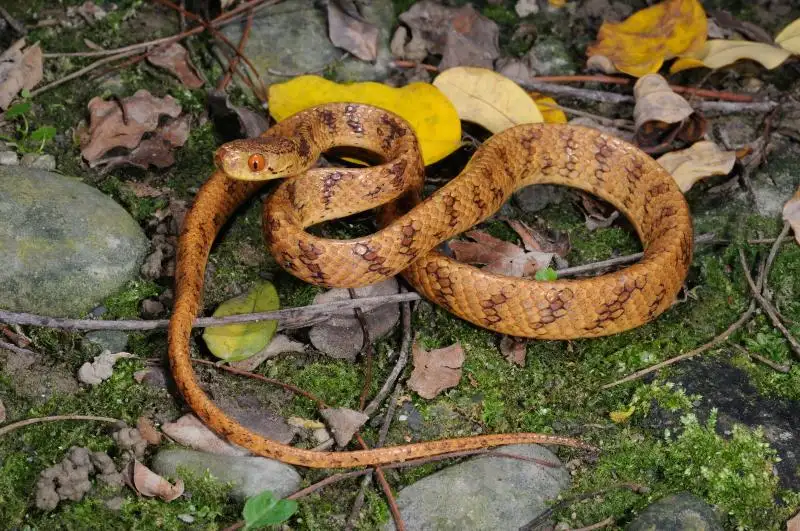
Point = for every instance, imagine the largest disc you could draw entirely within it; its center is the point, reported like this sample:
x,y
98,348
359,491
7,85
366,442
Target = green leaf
x,y
240,341
44,133
547,274
25,93
263,509
18,109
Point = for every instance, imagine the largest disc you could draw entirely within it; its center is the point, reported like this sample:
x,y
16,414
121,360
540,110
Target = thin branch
x,y
366,348
599,525
292,317
82,71
602,120
402,360
767,306
15,349
784,368
27,422
234,62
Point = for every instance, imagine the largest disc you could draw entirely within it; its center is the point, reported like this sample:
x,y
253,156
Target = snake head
x,y
259,159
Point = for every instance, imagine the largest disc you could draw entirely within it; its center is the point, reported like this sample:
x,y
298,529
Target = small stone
x,y
550,57
249,475
151,309
39,161
187,518
535,198
111,340
678,511
321,435
8,158
526,7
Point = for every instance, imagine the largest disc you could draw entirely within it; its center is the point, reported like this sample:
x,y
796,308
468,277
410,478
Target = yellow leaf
x,y
422,105
641,43
703,159
791,215
622,415
719,52
487,98
237,342
557,3
789,38
548,107
685,63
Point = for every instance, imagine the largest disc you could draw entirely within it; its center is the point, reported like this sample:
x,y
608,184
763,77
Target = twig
x,y
402,360
773,252
746,316
15,349
293,317
602,120
366,348
784,368
15,24
542,518
767,306
27,422
234,62
82,71
387,490
599,525
579,93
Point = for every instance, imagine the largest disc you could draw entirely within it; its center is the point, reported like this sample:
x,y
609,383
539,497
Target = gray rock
x,y
483,493
38,161
550,57
679,512
8,158
535,198
292,38
64,245
111,340
248,475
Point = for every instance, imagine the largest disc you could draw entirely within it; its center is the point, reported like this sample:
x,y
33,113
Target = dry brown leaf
x,y
791,215
349,31
148,430
462,36
109,129
19,70
703,159
174,58
659,112
793,524
487,98
545,241
501,257
344,423
190,431
150,484
435,370
513,349
2,412
278,345
141,190
101,368
599,215
640,44
233,121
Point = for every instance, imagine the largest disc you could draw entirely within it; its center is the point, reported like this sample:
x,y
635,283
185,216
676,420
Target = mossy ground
x,y
557,391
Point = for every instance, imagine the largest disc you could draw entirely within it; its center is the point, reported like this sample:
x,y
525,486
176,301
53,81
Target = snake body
x,y
412,227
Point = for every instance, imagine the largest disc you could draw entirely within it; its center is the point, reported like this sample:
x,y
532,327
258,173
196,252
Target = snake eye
x,y
256,162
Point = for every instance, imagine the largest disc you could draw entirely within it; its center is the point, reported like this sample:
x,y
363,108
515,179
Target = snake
x,y
410,231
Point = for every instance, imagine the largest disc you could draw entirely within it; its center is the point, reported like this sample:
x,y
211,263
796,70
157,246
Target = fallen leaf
x,y
308,424
793,524
435,370
718,53
190,431
142,190
174,58
19,70
265,509
599,215
487,98
344,423
150,484
791,214
237,342
101,368
109,129
428,111
280,344
662,114
703,159
545,241
618,417
461,35
148,430
551,114
349,31
514,349
152,377
789,39
641,43
750,31
234,121
499,256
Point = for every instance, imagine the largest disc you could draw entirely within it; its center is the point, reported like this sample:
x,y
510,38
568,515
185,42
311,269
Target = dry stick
x,y
602,120
82,71
15,349
27,422
599,525
366,348
234,62
767,306
295,317
766,361
387,490
402,360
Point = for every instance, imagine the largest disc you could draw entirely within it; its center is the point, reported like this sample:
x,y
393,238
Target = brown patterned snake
x,y
527,154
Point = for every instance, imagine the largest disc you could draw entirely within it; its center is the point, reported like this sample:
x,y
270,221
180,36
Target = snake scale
x,y
410,229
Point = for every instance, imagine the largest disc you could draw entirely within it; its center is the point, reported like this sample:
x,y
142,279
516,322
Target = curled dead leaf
x,y
789,39
150,484
174,58
101,368
662,114
514,349
190,431
703,159
348,30
499,256
641,43
718,53
148,430
344,423
791,214
435,370
19,70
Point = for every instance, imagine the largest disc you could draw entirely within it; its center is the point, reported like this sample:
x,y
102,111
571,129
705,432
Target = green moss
x,y
126,303
500,14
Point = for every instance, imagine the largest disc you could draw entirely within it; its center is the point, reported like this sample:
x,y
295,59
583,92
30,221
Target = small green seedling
x,y
264,509
25,137
548,274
